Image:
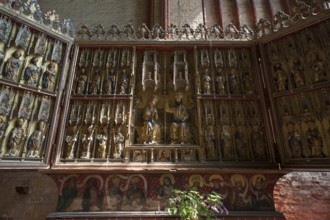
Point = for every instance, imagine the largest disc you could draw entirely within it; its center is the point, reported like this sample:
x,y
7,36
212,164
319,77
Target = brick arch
x,y
303,195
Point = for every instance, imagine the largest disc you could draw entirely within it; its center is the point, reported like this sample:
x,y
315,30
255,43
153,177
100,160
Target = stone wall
x,y
35,203
303,195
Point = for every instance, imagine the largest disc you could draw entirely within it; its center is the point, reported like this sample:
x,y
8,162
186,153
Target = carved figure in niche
x,y
31,72
12,66
297,73
227,147
316,62
258,142
94,85
5,100
110,82
87,142
81,84
151,130
71,143
3,128
314,140
164,156
179,127
294,142
242,148
102,142
16,139
233,80
49,77
119,143
188,155
114,195
206,82
240,201
221,85
166,188
210,137
281,77
5,27
23,38
139,156
135,197
261,199
123,86
92,196
36,141
248,83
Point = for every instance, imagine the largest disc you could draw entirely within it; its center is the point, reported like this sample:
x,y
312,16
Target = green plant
x,y
190,205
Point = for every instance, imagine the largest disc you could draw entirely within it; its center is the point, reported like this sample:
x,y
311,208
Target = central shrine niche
x,y
181,105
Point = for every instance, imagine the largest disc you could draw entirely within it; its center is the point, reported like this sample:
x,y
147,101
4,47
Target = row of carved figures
x,y
31,10
299,60
280,20
24,118
305,124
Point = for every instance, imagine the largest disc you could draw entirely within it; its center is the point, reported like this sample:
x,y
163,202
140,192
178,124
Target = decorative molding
x,y
30,10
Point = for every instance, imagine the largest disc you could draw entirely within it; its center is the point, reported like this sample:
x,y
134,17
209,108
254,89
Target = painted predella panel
x,y
149,192
299,77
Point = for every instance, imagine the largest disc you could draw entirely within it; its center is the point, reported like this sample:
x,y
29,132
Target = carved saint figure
x,y
258,142
16,140
82,82
206,82
179,127
71,142
248,83
35,143
151,130
31,72
49,77
109,82
119,142
297,73
102,142
233,80
294,142
3,128
210,137
87,143
94,85
227,147
281,78
12,66
221,85
315,141
241,143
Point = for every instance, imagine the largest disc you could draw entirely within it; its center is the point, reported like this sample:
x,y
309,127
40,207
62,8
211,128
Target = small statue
x,y
258,142
71,143
109,82
226,144
210,137
297,73
49,77
102,142
281,77
233,80
82,82
94,86
221,85
248,83
241,144
12,66
16,139
294,141
87,142
3,128
31,72
119,142
179,127
314,140
206,83
151,130
36,141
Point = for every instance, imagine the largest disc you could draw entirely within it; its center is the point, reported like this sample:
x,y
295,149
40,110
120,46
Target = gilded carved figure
x,y
258,142
81,82
314,140
206,82
31,72
179,127
12,66
295,142
227,147
234,82
151,129
210,137
36,141
16,139
241,144
297,73
281,77
71,142
119,143
49,77
87,143
102,138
